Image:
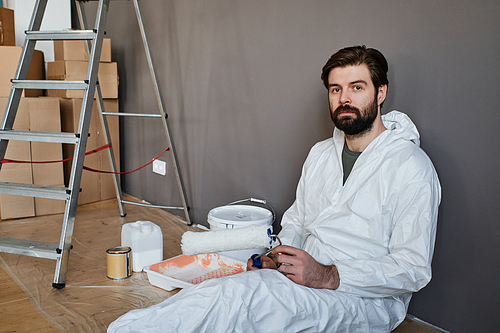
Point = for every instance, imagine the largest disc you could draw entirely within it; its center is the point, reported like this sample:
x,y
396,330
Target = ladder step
x,y
49,84
53,137
61,35
38,191
29,248
129,114
151,205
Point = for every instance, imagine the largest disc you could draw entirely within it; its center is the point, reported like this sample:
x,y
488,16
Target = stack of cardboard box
x,y
71,63
33,114
7,35
58,112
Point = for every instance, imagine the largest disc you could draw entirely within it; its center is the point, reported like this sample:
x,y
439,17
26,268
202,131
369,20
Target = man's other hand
x,y
300,267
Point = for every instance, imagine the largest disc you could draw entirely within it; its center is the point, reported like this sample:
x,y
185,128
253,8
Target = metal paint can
x,y
118,262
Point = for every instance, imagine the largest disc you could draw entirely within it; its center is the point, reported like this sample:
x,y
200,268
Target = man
x,y
359,236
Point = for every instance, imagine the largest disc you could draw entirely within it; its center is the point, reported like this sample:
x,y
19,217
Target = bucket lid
x,y
240,214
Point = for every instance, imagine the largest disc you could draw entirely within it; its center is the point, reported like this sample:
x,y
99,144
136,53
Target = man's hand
x,y
300,267
267,262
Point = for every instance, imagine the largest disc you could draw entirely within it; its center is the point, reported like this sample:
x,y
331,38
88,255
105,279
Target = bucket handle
x,y
259,201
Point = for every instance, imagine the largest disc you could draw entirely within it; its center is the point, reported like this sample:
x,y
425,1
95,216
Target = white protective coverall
x,y
378,229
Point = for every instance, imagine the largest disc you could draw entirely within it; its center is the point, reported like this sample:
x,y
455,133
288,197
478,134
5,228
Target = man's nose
x,y
345,98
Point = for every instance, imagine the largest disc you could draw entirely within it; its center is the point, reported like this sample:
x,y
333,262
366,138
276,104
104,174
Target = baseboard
x,y
412,317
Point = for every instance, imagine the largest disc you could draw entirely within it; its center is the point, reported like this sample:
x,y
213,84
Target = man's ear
x,y
382,94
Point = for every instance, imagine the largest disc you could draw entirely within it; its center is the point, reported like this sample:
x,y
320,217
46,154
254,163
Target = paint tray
x,y
183,271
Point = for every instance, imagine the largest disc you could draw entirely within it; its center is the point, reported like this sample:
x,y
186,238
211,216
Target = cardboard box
x,y
14,206
19,151
107,183
51,174
49,206
90,182
9,59
38,114
7,30
35,114
77,71
77,50
22,121
45,116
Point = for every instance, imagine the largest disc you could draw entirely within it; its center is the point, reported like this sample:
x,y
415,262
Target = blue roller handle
x,y
257,262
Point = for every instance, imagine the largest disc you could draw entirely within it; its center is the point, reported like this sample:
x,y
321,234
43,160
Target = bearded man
x,y
359,237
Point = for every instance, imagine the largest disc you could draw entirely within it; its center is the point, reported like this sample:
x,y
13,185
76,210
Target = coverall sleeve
x,y
292,229
407,266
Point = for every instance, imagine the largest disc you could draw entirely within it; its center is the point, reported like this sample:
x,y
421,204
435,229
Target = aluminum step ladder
x,y
58,252
162,115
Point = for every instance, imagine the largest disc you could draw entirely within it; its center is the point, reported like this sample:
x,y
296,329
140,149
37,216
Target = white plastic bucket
x,y
239,216
146,241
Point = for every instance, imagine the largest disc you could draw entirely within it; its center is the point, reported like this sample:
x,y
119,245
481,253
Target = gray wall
x,y
241,83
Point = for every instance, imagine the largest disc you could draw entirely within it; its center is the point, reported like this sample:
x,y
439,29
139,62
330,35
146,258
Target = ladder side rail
x,y
79,152
100,104
111,153
21,73
161,106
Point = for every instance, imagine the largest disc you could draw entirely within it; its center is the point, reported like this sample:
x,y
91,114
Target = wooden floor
x,y
90,301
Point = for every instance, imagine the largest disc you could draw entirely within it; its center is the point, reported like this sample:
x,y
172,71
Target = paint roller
x,y
255,236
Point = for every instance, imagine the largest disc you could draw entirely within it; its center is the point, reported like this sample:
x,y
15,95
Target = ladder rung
x,y
60,35
49,84
28,248
54,137
38,191
150,205
129,114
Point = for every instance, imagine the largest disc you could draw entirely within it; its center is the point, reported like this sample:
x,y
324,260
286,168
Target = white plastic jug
x,y
146,240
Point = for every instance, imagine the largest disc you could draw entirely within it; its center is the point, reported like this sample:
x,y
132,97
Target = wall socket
x,y
160,167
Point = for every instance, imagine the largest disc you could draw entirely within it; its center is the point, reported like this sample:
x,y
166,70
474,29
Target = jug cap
x,y
146,227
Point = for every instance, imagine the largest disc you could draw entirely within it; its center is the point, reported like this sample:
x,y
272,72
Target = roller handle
x,y
257,262
256,258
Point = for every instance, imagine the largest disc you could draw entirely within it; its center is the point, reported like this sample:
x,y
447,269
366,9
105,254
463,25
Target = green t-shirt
x,y
349,157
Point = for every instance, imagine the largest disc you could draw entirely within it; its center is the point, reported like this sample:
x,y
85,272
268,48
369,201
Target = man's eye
x,y
335,90
357,88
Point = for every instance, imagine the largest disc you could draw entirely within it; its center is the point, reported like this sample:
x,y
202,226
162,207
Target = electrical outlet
x,y
160,167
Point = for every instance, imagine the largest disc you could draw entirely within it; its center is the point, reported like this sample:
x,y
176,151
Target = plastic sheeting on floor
x,y
90,301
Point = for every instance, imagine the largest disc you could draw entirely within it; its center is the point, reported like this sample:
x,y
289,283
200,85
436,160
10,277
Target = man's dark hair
x,y
355,56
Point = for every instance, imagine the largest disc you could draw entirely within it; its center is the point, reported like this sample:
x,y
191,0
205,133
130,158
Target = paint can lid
x,y
119,250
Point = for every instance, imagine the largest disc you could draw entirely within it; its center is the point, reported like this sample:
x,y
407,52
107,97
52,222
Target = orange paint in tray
x,y
183,271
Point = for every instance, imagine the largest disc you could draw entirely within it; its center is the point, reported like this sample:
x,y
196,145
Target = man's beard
x,y
355,125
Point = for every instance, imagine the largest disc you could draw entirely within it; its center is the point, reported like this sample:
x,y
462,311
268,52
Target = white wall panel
x,y
57,16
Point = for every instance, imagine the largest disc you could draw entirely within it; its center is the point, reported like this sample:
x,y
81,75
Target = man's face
x,y
353,99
